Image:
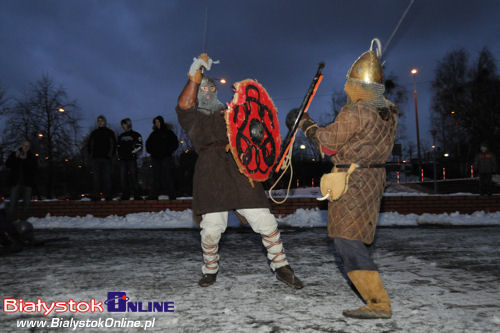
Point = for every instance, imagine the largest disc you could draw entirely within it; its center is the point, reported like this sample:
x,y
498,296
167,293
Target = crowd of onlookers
x,y
102,146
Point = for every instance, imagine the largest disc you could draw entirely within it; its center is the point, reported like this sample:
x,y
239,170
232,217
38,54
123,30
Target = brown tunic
x,y
359,135
218,185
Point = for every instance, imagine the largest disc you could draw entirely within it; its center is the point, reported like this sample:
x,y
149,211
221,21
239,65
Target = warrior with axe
x,y
218,184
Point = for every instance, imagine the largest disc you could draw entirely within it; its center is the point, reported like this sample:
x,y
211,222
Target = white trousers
x,y
260,219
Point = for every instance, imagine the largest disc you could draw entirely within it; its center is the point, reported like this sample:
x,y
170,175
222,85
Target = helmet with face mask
x,y
208,101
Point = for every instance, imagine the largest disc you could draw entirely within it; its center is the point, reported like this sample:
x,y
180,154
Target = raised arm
x,y
187,98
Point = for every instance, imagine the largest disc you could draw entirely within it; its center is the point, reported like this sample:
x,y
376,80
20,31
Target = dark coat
x,y
485,163
161,142
102,143
218,185
23,171
129,144
358,135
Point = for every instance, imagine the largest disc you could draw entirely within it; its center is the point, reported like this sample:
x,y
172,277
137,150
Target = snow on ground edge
x,y
302,218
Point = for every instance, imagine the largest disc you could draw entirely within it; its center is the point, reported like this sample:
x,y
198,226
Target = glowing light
x,y
433,147
414,71
66,160
446,155
223,81
186,151
61,110
37,154
40,135
453,112
302,147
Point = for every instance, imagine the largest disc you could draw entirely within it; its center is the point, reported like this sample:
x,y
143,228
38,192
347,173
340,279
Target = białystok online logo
x,y
119,302
116,302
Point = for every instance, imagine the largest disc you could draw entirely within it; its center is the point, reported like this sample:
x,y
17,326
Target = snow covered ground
x,y
303,218
439,280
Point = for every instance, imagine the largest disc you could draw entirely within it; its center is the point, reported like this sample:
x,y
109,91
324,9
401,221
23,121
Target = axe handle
x,y
313,87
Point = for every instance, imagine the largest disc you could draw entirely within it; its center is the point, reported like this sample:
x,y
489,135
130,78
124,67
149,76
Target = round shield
x,y
253,130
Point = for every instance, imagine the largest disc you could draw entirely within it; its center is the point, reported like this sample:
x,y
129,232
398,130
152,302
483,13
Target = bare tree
x,y
3,99
19,125
465,102
45,115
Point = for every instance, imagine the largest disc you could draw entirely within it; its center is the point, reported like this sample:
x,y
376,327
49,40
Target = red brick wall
x,y
400,204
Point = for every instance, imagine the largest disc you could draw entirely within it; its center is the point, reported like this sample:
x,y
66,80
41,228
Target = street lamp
x,y
434,167
414,73
61,110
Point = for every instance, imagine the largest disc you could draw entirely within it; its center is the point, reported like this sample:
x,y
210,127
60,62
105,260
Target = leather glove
x,y
305,122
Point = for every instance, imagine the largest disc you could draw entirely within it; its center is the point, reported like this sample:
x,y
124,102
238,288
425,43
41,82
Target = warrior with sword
x,y
219,185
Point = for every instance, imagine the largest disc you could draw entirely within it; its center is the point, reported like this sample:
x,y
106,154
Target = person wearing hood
x,y
101,148
129,145
23,166
485,164
161,144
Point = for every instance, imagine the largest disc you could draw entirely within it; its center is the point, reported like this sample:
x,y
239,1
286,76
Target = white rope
x,y
287,163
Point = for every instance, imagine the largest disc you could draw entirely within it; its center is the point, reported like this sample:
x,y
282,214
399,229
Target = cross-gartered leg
x,y
212,227
263,222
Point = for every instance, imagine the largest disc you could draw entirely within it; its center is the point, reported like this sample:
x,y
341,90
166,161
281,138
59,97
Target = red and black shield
x,y
253,130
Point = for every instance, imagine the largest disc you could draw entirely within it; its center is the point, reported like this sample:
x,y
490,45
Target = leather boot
x,y
286,274
371,288
207,280
211,259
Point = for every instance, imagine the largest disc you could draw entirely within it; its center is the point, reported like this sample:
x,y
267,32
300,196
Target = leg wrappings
x,y
275,251
211,258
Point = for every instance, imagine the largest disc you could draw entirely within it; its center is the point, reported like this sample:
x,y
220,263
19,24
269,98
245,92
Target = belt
x,y
360,166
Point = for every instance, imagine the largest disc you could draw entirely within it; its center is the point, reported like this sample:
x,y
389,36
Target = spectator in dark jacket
x,y
161,143
101,147
23,166
129,145
485,164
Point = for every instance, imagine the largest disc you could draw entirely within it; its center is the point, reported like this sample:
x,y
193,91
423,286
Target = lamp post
x,y
454,114
414,72
434,167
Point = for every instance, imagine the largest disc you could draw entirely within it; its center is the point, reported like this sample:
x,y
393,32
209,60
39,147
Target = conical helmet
x,y
367,67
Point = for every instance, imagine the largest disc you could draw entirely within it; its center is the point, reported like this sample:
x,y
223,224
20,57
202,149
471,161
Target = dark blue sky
x,y
130,58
